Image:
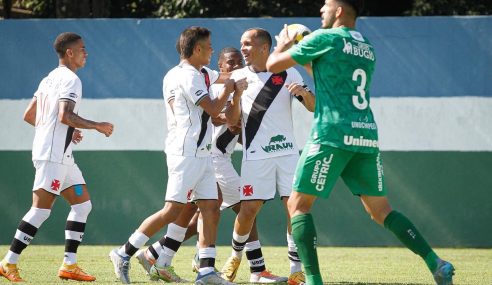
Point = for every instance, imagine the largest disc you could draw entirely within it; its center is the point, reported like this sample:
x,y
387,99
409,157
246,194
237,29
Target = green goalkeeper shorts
x,y
320,166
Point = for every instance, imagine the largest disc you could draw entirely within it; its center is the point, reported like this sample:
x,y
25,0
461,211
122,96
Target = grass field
x,y
39,265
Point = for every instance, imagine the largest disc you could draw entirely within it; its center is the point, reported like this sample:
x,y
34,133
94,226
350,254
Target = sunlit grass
x,y
39,265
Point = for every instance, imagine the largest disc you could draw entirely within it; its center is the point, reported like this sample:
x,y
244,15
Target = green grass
x,y
39,265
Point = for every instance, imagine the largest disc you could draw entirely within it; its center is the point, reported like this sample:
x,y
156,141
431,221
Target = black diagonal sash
x,y
205,115
224,140
261,104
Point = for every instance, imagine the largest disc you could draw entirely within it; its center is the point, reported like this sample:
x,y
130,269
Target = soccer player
x,y
187,155
343,139
53,112
224,139
270,153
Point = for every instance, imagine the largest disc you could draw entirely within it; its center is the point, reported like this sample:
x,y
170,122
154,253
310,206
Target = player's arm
x,y
214,106
30,113
68,117
303,94
233,111
280,60
219,120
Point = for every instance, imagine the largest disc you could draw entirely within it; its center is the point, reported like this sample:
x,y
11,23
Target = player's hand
x,y
229,85
105,128
296,89
241,85
285,39
77,136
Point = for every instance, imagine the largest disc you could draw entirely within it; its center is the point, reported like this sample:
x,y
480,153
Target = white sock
x,y
295,262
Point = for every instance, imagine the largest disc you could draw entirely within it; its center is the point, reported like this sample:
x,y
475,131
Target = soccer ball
x,y
300,29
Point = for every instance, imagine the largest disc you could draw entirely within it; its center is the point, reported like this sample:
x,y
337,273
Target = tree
x,y
450,7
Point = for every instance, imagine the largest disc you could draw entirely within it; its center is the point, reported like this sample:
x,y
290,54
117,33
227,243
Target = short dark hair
x,y
63,42
357,5
228,50
189,39
263,35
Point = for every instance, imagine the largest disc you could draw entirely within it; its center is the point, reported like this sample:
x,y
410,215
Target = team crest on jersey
x,y
55,184
277,80
248,190
277,143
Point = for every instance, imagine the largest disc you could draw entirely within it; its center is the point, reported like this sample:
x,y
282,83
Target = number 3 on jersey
x,y
360,89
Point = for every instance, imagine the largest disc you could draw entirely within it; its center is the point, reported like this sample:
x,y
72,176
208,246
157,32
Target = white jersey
x,y
267,128
223,140
52,139
189,127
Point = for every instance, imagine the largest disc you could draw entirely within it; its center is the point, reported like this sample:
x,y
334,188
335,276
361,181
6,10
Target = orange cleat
x,y
10,272
74,272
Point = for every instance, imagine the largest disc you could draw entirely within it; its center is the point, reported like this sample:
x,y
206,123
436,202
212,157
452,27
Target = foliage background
x,y
233,8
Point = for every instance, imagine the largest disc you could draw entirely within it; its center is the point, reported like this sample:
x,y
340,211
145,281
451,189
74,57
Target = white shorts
x,y
228,180
55,177
190,179
261,178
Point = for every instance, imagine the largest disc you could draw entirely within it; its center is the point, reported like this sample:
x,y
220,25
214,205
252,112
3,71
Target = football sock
x,y
406,232
174,237
304,233
74,230
295,262
25,232
255,256
238,243
156,248
207,259
136,241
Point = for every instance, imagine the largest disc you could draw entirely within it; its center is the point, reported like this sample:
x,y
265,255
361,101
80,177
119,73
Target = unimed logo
x,y
360,141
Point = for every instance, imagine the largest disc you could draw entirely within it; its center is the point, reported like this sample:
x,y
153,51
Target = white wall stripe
x,y
405,124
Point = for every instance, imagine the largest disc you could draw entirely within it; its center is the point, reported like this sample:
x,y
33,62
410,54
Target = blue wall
x,y
417,56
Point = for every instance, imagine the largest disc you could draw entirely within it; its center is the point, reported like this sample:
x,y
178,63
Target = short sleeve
x,y
195,88
311,46
71,90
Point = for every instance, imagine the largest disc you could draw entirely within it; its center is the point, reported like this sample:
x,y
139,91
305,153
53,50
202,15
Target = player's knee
x,y
80,212
248,211
37,216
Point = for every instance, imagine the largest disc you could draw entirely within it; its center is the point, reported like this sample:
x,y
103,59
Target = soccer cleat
x,y
74,272
10,271
297,278
266,277
211,278
166,274
229,270
195,263
444,273
121,266
145,261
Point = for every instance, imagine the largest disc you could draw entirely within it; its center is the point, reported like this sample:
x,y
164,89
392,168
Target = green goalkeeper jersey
x,y
343,63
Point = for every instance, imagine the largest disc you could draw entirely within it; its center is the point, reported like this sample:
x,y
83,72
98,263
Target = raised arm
x,y
214,106
280,60
233,111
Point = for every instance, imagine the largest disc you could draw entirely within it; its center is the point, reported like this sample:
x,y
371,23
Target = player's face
x,y
77,54
251,48
328,14
231,61
206,51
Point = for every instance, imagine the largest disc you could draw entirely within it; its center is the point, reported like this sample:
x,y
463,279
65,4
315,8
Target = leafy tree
x,y
450,7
